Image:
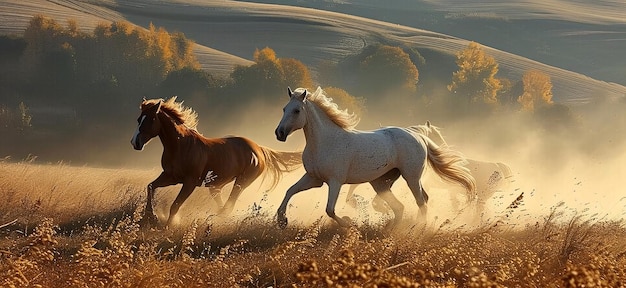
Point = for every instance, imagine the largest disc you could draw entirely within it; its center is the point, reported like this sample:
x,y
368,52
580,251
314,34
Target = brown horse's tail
x,y
449,164
279,162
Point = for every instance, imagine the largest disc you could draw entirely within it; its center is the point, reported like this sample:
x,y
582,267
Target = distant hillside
x,y
587,37
234,30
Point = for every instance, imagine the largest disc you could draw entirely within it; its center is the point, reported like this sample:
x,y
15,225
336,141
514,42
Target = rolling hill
x,y
228,32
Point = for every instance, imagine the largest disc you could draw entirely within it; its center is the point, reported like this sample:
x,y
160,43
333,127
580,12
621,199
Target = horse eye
x,y
296,111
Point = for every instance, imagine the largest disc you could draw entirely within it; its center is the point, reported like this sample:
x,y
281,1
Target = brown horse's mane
x,y
176,110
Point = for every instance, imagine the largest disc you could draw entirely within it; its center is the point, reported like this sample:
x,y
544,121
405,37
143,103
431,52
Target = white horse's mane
x,y
422,129
342,118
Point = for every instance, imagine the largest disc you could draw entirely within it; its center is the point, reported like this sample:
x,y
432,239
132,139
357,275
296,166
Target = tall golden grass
x,y
78,227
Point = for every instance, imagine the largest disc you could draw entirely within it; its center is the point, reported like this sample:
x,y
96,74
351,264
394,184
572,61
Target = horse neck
x,y
169,133
319,127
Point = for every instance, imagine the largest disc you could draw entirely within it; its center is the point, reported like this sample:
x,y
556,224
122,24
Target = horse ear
x,y
143,99
428,123
289,91
302,96
157,107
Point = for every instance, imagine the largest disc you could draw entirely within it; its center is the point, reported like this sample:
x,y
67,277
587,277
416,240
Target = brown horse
x,y
194,160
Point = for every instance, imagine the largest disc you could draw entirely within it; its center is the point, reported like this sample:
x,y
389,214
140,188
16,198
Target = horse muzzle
x,y
281,135
136,142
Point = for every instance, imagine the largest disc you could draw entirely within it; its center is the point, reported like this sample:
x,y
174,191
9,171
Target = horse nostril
x,y
280,134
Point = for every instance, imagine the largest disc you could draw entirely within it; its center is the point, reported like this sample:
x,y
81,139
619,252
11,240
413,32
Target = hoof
x,y
149,220
390,226
351,201
225,211
282,222
344,221
380,205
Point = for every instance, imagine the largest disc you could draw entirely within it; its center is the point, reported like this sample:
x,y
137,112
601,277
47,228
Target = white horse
x,y
490,177
336,153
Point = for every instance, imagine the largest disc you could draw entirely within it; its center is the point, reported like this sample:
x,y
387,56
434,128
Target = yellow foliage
x,y
119,50
271,74
537,90
389,67
296,73
265,54
476,75
346,101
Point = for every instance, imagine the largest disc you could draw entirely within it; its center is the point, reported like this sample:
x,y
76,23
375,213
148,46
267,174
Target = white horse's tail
x,y
506,170
449,164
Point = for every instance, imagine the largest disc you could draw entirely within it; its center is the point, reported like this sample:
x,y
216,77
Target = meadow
x,y
66,225
79,227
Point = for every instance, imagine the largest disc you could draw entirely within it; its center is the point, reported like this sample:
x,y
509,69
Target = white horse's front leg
x,y
333,194
305,183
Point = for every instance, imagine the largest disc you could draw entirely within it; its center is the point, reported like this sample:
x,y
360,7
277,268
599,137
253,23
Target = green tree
x,y
537,90
476,79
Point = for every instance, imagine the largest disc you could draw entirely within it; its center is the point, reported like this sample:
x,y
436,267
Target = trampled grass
x,y
79,227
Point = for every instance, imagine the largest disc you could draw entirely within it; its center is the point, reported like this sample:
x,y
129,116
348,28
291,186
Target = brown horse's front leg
x,y
163,180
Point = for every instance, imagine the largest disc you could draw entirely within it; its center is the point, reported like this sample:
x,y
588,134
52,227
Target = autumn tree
x,y
537,90
269,75
296,73
41,34
475,79
388,68
117,62
346,101
189,83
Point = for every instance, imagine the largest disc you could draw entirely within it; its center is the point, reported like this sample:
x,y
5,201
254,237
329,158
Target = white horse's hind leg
x,y
333,195
382,186
350,198
305,183
395,205
413,180
421,198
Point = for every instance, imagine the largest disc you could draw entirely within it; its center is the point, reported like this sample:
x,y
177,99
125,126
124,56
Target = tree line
x,y
118,63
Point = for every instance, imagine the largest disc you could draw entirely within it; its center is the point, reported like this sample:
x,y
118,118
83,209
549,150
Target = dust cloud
x,y
575,168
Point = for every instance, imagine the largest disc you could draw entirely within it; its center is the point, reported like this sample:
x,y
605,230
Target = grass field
x,y
559,226
79,227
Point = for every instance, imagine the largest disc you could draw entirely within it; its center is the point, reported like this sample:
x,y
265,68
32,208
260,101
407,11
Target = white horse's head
x,y
294,114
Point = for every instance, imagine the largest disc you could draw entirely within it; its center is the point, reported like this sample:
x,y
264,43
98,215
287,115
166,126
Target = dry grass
x,y
99,243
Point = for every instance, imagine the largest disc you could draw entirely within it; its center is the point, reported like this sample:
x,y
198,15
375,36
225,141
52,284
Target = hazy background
x,y
580,46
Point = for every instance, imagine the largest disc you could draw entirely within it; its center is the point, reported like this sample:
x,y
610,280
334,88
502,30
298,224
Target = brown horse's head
x,y
149,124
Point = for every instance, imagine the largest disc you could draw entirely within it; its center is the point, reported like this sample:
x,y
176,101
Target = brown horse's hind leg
x,y
185,191
216,196
241,182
